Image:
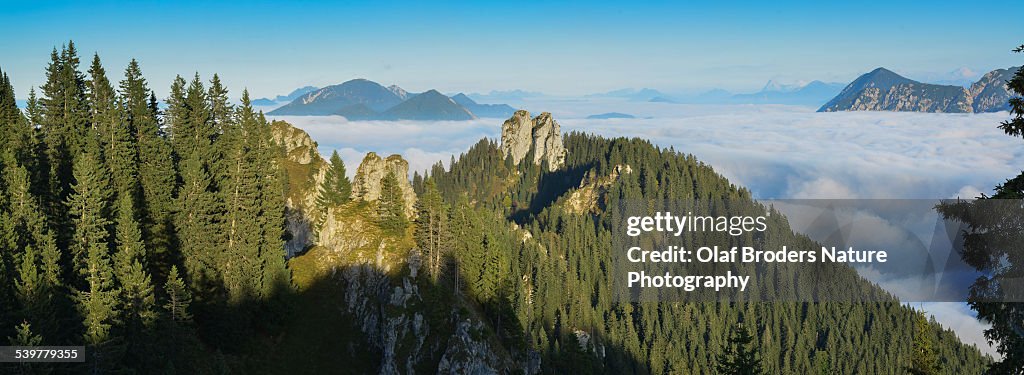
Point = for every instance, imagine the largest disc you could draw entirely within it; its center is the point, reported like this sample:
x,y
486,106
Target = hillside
x,y
525,247
884,90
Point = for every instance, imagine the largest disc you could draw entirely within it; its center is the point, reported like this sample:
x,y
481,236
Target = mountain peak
x,y
430,105
399,92
883,90
330,99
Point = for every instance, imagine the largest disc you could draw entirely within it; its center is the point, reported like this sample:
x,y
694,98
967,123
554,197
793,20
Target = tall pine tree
x,y
89,206
157,175
115,135
335,190
391,205
740,356
138,303
200,242
65,118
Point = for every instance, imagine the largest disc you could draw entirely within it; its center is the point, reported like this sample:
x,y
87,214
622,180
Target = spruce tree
x,y
201,244
65,118
192,130
25,336
101,100
274,275
924,360
221,115
220,108
97,301
175,114
133,279
156,172
89,202
335,190
15,133
89,207
391,205
240,191
432,233
116,135
38,276
741,356
178,298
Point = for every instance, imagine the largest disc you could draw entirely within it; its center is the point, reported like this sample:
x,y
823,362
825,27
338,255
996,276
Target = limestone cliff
x,y
587,198
372,274
367,183
990,92
520,134
305,170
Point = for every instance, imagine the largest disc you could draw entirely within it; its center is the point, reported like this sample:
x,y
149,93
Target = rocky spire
x,y
542,134
372,170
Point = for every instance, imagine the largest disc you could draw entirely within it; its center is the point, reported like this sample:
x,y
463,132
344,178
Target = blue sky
x,y
554,47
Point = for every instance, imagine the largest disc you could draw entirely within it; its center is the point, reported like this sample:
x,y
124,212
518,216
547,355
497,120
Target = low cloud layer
x,y
775,151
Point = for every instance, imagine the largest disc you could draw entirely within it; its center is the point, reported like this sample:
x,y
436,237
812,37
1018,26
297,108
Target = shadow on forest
x,y
551,186
340,322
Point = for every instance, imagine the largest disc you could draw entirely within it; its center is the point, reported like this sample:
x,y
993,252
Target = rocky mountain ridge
x,y
362,100
884,90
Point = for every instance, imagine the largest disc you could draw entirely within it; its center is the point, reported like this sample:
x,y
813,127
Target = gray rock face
x,y
883,90
542,135
371,172
466,355
301,156
389,313
990,92
384,313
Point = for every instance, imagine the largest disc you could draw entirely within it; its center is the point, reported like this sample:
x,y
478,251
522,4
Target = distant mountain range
x,y
484,110
361,99
507,95
813,93
610,115
884,90
641,95
265,102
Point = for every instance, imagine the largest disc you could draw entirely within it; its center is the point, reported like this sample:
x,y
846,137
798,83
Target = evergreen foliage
x,y
391,205
990,247
924,360
336,188
94,215
740,356
156,237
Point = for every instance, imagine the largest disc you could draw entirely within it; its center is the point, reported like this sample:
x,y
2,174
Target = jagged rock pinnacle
x,y
542,135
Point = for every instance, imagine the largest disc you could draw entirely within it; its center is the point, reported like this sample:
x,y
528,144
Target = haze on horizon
x,y
565,48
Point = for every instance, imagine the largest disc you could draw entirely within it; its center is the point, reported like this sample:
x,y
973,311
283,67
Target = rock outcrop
x,y
303,163
990,92
354,254
587,198
520,134
367,184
